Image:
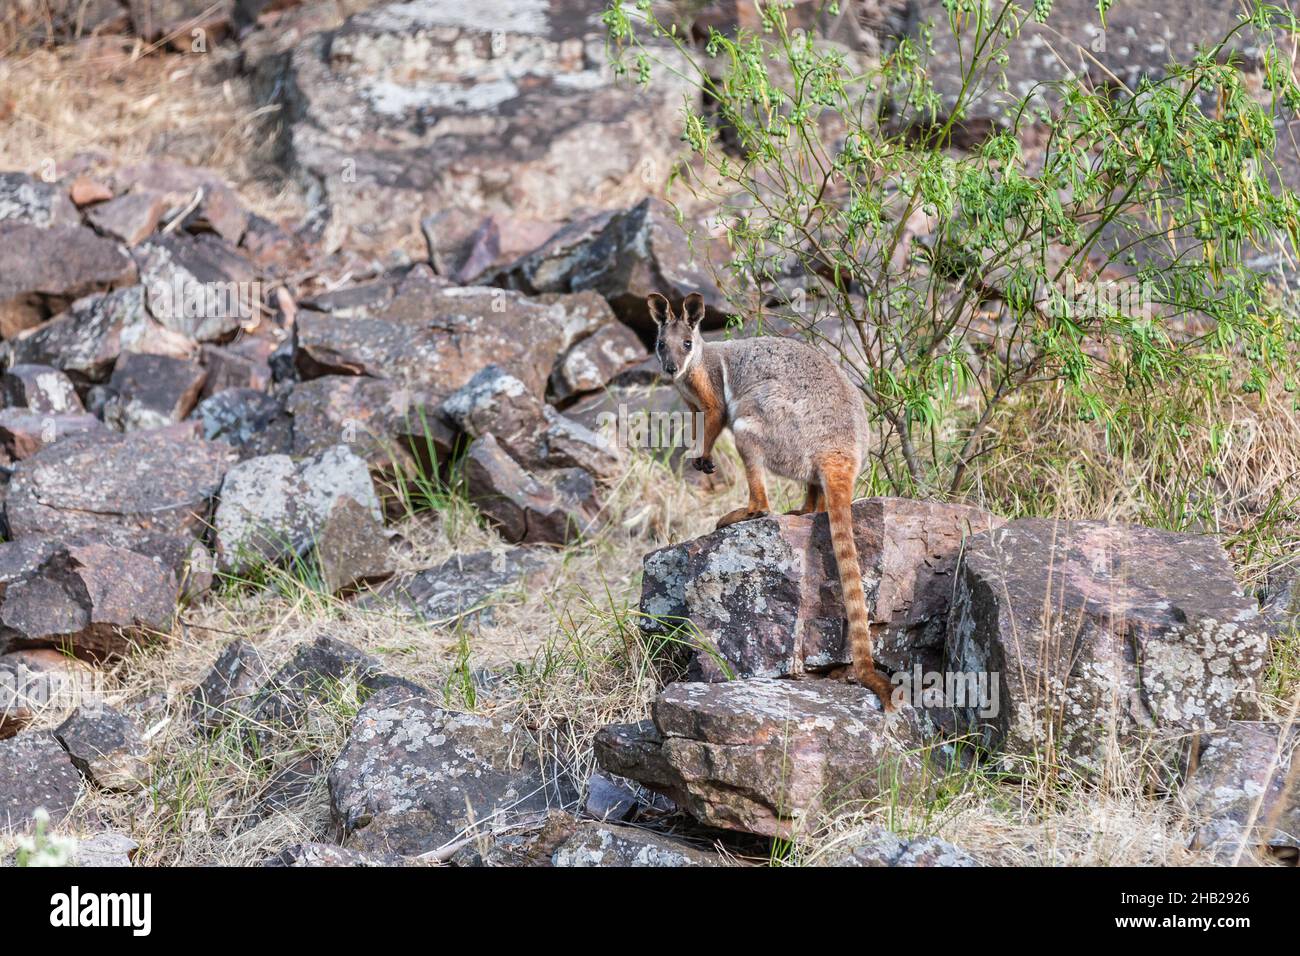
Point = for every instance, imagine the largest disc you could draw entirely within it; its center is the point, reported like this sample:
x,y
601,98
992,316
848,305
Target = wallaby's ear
x,y
693,309
658,306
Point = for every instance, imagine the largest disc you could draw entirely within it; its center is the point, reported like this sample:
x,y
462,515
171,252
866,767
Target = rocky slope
x,y
193,394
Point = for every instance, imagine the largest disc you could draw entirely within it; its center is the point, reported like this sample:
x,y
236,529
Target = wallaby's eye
x,y
687,345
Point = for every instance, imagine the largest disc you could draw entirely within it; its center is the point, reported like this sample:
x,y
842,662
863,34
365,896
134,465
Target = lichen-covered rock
x,y
105,848
154,487
765,596
414,777
24,198
434,338
106,747
92,600
531,431
1245,791
273,507
460,586
771,756
251,422
603,844
35,774
371,416
39,388
592,363
197,286
508,107
229,687
549,507
86,340
881,847
1099,629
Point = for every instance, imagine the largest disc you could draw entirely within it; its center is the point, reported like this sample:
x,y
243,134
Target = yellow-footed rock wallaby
x,y
791,410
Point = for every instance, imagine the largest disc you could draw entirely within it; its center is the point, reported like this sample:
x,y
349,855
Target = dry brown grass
x,y
118,99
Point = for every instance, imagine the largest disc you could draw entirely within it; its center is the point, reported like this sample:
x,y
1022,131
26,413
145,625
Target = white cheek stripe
x,y
690,357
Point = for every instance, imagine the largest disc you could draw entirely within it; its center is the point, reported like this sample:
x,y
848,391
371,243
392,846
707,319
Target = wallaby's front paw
x,y
704,464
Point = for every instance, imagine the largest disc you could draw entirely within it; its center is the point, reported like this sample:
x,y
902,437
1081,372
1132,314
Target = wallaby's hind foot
x,y
733,517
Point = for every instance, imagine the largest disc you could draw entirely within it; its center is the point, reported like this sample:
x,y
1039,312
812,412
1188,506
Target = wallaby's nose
x,y
670,368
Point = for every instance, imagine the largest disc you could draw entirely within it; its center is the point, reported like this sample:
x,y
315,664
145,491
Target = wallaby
x,y
791,410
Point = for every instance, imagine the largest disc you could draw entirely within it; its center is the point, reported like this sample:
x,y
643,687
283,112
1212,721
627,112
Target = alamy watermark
x,y
642,428
977,691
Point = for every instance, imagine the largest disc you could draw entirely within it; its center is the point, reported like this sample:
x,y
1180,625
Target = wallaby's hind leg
x,y
838,473
813,502
757,506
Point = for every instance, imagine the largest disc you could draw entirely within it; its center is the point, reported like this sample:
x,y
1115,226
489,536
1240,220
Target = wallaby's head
x,y
679,339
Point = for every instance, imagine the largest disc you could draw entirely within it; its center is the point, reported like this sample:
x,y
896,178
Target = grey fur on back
x,y
789,402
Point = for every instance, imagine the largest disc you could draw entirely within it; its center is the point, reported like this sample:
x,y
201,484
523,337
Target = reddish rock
x,y
86,191
151,391
131,218
555,508
91,600
23,433
42,269
1099,631
771,756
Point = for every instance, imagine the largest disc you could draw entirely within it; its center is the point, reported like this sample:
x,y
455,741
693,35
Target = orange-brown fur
x,y
793,411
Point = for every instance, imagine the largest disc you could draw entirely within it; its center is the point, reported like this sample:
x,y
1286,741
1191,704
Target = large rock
x,y
106,747
91,600
273,507
414,777
1097,629
553,507
43,269
603,844
765,596
352,547
771,756
624,257
594,362
25,199
1245,791
369,415
435,338
252,422
131,218
153,487
86,340
35,774
504,108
